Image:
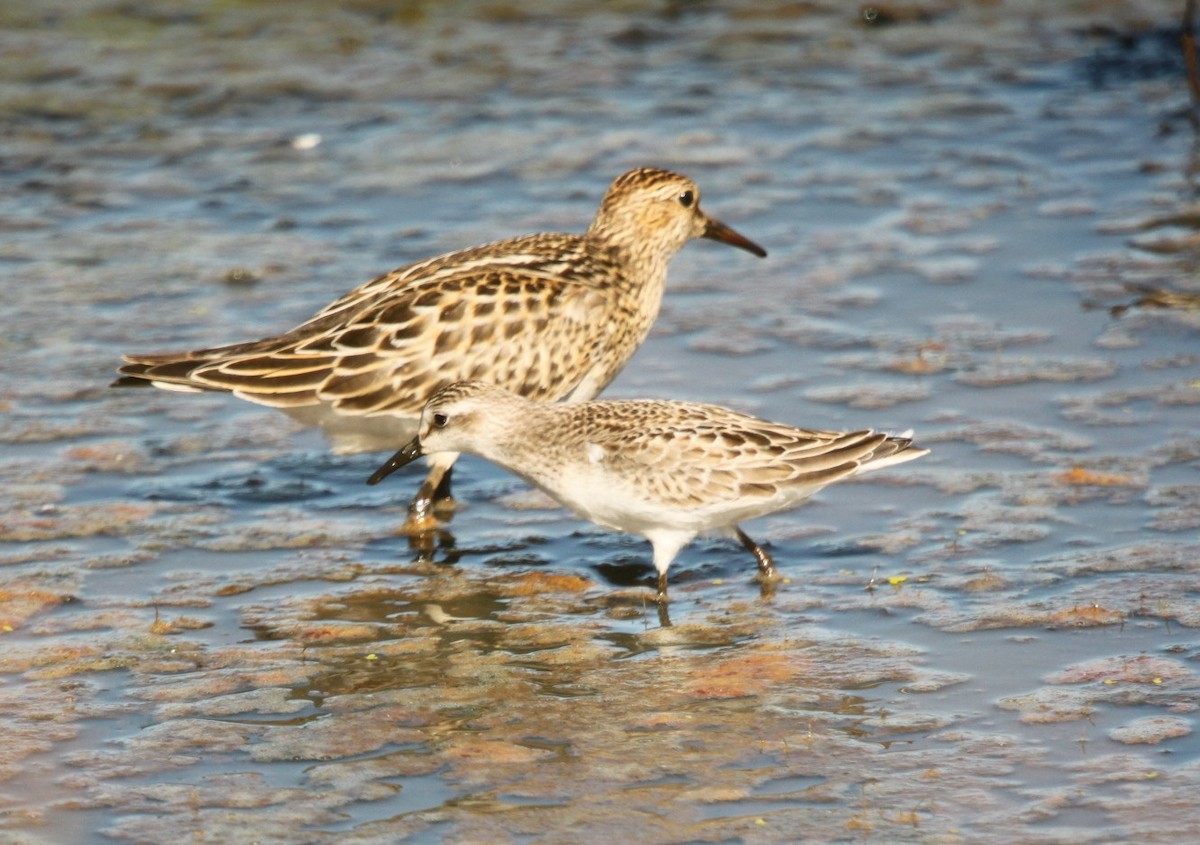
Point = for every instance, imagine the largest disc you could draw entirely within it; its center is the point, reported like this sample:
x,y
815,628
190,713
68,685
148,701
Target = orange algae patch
x,y
491,751
17,606
74,521
858,822
744,675
534,583
346,632
1088,615
1080,477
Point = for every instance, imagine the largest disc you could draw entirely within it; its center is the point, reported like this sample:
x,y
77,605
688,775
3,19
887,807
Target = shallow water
x,y
210,629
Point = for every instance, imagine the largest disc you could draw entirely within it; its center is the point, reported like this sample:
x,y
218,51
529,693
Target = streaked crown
x,y
652,210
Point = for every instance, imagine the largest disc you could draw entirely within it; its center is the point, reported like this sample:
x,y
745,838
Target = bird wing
x,y
695,455
526,320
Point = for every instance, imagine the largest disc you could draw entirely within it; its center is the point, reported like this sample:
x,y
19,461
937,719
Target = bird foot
x,y
664,616
768,586
445,505
418,525
768,575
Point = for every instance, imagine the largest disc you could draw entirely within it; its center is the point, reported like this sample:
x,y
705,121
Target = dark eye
x,y
686,199
440,420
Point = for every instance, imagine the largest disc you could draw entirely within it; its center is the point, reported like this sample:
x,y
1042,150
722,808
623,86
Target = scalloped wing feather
x,y
707,455
532,332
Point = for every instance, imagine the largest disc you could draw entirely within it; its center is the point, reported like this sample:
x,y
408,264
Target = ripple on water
x,y
976,230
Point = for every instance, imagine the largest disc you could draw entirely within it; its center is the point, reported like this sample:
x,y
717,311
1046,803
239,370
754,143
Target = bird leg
x,y
442,501
766,565
420,509
666,545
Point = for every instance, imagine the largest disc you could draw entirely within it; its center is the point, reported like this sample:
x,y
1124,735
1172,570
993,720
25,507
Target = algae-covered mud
x,y
982,225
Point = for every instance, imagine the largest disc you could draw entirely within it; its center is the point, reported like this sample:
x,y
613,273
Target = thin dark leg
x,y
420,509
422,503
441,493
661,598
766,566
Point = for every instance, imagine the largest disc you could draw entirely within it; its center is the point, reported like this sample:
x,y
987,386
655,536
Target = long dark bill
x,y
407,453
718,231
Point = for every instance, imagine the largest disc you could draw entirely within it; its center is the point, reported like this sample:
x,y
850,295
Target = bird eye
x,y
440,420
686,199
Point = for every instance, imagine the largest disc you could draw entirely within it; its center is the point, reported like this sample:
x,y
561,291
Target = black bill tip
x,y
406,454
715,230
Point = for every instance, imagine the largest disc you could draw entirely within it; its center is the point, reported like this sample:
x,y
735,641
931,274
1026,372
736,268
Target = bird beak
x,y
715,230
405,456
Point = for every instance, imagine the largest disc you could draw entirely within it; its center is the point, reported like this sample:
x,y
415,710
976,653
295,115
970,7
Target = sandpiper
x,y
665,470
549,316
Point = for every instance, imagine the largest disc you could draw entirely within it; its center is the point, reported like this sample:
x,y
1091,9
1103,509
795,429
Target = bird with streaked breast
x,y
548,316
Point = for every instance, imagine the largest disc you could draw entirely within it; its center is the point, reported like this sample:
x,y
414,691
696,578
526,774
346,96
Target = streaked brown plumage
x,y
549,316
665,470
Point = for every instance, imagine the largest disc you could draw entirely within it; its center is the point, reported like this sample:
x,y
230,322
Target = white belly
x,y
349,435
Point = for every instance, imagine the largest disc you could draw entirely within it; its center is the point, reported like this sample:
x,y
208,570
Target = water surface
x,y
212,632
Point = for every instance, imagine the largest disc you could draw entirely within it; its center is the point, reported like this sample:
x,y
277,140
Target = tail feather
x,y
894,450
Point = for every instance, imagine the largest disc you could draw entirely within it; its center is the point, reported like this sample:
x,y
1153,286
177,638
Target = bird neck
x,y
640,264
513,435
